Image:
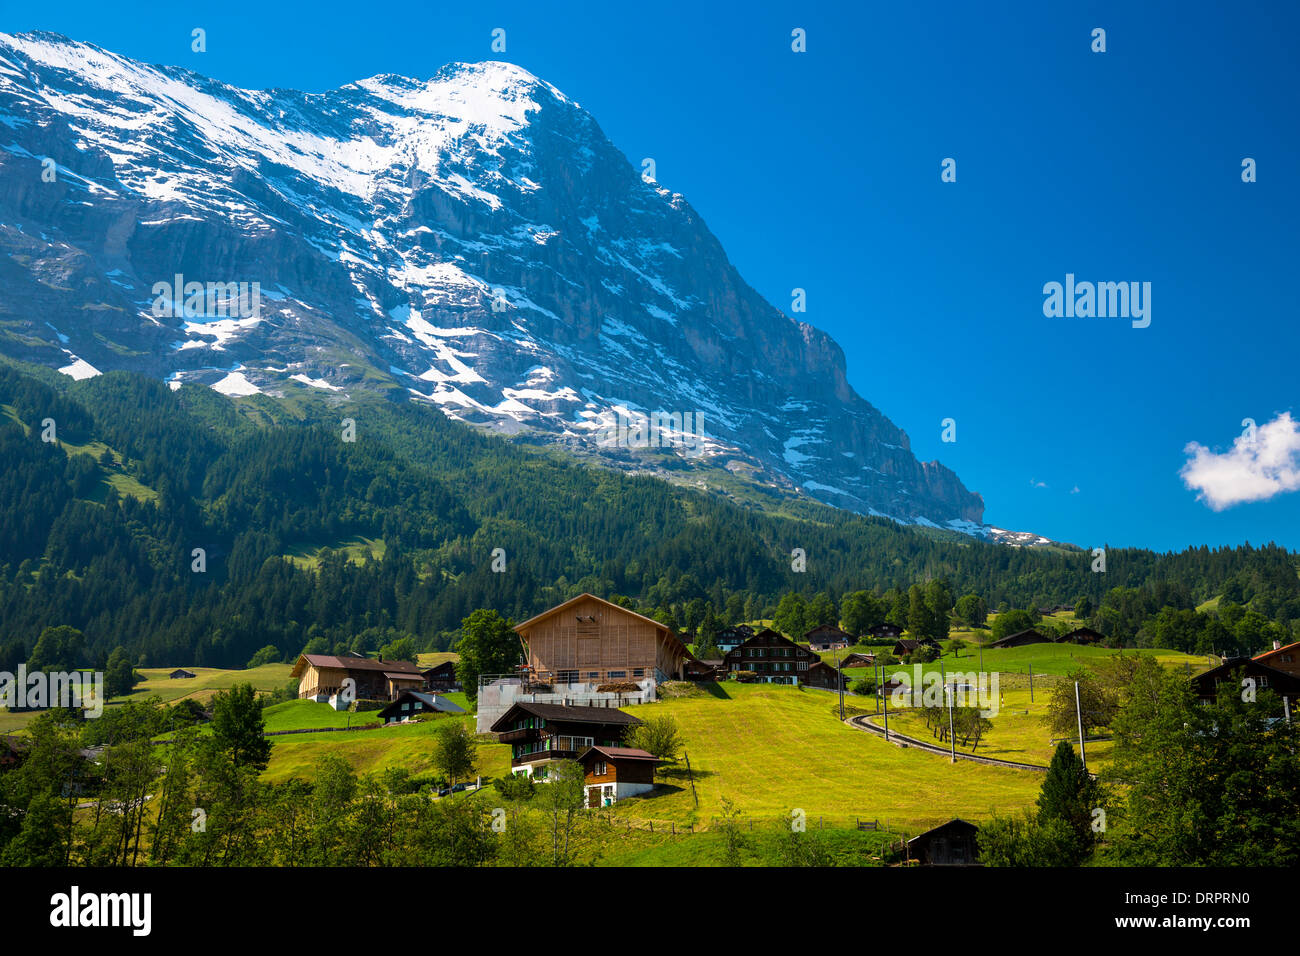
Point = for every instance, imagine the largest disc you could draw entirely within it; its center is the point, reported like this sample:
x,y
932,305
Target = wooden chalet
x,y
589,639
858,659
953,843
828,637
1235,669
612,773
705,670
540,733
732,637
773,657
441,677
821,674
882,633
1021,639
181,674
321,676
1283,658
1082,635
411,703
908,645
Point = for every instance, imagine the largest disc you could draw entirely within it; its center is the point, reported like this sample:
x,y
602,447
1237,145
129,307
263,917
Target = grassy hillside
x,y
774,748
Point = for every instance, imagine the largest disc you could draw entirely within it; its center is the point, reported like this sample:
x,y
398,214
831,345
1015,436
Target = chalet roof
x,y
911,644
572,715
1030,632
620,753
401,668
403,675
956,823
524,625
827,630
438,668
1281,679
1285,648
430,700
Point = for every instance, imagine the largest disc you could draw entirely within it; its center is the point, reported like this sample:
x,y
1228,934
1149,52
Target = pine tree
x,y
1070,795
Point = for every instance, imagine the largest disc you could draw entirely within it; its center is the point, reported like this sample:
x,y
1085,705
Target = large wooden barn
x,y
591,640
321,677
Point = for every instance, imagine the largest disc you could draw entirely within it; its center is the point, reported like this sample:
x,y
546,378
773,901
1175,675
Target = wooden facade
x,y
773,657
1285,659
441,677
1021,639
412,703
588,639
540,733
827,637
322,675
1235,669
611,773
954,843
885,632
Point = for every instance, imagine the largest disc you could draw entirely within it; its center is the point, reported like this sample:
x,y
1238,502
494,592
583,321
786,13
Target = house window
x,y
638,672
803,665
617,674
592,675
599,769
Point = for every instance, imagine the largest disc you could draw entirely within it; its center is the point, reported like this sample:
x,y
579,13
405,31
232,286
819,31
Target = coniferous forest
x,y
165,521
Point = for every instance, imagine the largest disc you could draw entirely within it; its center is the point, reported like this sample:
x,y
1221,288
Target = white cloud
x,y
1035,483
1074,490
1258,466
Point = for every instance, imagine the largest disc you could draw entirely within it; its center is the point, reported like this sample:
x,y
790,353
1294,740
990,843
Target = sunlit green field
x,y
773,749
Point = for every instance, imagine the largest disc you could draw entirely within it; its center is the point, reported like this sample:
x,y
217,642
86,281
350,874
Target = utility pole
x,y
952,738
886,705
1078,710
1031,683
839,682
1286,709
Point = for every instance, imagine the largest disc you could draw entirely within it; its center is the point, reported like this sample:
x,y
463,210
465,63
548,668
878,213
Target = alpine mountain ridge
x,y
471,241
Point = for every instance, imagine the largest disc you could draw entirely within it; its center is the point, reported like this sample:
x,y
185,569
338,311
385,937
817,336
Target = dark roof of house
x,y
851,659
827,631
956,823
182,671
1080,632
911,644
885,627
620,753
573,715
1029,633
437,669
1282,679
402,668
1292,648
430,700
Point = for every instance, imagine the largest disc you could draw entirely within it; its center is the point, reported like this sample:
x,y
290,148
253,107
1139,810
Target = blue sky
x,y
821,170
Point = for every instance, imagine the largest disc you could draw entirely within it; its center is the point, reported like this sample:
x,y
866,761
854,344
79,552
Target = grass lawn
x,y
206,682
1050,659
399,745
774,748
1018,731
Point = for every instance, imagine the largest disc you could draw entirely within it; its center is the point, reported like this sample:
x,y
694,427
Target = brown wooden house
x,y
612,773
1235,669
1082,635
540,733
411,703
883,633
1021,639
1283,658
828,637
441,677
773,657
953,843
321,677
909,645
589,639
858,659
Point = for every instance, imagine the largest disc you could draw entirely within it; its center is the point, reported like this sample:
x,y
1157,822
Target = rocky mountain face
x,y
472,241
